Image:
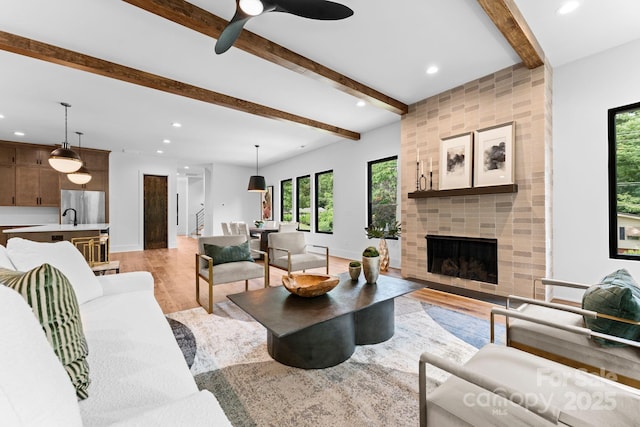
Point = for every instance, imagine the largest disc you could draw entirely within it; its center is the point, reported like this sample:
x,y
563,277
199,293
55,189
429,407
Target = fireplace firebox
x,y
464,257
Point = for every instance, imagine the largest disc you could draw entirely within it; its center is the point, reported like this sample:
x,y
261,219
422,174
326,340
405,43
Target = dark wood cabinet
x,y
7,155
32,156
7,185
27,179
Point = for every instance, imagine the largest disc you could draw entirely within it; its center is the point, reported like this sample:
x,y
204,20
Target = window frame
x,y
298,179
282,193
614,229
370,164
317,206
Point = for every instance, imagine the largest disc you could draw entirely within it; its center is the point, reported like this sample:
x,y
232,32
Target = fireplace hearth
x,y
464,257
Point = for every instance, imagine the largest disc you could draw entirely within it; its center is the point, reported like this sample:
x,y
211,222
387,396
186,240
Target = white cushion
x,y
35,389
26,255
5,261
136,364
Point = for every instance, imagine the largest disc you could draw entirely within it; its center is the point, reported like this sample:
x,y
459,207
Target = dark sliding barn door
x,y
155,212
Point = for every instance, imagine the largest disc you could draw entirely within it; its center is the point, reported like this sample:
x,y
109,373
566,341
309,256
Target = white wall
x,y
228,197
126,198
348,160
583,92
195,202
19,215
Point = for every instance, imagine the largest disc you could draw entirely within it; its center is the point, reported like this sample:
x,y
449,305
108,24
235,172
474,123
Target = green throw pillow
x,y
616,295
54,303
224,254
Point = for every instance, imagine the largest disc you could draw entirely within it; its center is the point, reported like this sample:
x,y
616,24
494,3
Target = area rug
x,y
377,386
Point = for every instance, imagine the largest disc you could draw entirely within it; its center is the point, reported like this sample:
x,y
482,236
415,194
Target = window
x,y
624,182
286,200
303,202
383,192
324,202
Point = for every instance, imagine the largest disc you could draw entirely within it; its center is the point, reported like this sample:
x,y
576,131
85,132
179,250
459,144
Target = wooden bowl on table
x,y
309,285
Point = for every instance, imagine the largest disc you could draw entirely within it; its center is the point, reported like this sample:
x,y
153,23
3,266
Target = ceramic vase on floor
x,y
384,254
371,268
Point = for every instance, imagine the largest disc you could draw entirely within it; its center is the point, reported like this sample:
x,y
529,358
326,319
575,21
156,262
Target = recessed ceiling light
x,y
159,151
1,116
18,133
186,167
176,125
166,141
568,7
361,103
432,69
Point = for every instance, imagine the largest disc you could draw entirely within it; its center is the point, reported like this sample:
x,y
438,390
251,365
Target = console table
x,y
320,332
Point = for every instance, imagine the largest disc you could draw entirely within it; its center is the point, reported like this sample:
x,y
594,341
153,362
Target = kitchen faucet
x,y
75,215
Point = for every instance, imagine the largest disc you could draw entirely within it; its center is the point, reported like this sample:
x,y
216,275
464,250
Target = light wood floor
x,y
174,274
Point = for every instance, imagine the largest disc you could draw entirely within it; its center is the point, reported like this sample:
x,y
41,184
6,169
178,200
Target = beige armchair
x,y
288,251
216,274
545,329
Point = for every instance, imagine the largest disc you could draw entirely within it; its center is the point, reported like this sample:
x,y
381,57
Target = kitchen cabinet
x,y
27,179
37,156
37,186
7,185
7,154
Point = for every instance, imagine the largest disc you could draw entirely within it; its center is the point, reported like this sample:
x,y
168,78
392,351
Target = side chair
x,y
232,264
288,251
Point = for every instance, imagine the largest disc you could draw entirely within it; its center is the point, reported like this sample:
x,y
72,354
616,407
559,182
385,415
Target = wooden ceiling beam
x,y
507,17
202,21
57,55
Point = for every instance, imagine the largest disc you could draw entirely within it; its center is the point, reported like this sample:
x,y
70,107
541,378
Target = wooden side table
x,y
101,269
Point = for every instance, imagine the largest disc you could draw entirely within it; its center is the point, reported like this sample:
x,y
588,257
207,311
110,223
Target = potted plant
x,y
258,223
354,269
371,264
392,231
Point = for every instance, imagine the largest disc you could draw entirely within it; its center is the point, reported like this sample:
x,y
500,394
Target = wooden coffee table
x,y
320,332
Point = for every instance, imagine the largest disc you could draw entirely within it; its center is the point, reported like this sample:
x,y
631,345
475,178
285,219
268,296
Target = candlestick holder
x,y
423,182
417,176
430,180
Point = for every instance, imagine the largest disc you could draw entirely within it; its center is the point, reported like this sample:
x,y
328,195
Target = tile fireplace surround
x,y
516,220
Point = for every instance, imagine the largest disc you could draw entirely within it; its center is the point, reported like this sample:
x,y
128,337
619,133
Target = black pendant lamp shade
x,y
257,182
64,159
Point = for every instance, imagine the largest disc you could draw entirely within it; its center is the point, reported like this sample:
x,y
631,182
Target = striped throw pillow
x,y
54,303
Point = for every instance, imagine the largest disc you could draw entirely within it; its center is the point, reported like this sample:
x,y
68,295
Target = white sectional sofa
x,y
138,375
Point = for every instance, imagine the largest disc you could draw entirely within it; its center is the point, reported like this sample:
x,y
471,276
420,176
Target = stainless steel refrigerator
x,y
89,205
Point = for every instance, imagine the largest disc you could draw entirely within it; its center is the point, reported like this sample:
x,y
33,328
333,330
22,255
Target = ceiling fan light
x,y
65,160
81,176
257,184
252,7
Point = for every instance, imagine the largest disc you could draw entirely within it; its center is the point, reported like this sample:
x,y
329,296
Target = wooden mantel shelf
x,y
495,189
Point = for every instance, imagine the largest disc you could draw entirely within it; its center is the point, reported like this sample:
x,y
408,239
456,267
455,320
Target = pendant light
x,y
64,159
257,182
82,175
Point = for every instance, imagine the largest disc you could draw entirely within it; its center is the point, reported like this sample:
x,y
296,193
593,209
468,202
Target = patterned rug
x,y
377,386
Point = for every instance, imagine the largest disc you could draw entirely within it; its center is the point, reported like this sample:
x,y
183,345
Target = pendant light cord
x,y
66,106
257,147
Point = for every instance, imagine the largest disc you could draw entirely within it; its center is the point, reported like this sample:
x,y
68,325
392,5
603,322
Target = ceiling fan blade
x,y
314,9
231,32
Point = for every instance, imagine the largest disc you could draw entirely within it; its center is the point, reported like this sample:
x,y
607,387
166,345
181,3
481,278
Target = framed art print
x,y
456,154
493,163
267,204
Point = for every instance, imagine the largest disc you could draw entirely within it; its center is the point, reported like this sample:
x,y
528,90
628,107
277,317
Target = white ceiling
x,y
387,48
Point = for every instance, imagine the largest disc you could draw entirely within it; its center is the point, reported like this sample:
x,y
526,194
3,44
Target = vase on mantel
x,y
384,254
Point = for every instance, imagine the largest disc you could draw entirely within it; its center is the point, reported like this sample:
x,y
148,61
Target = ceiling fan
x,y
247,9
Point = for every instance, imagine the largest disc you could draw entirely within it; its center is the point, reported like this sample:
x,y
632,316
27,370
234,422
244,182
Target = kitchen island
x,y
57,232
